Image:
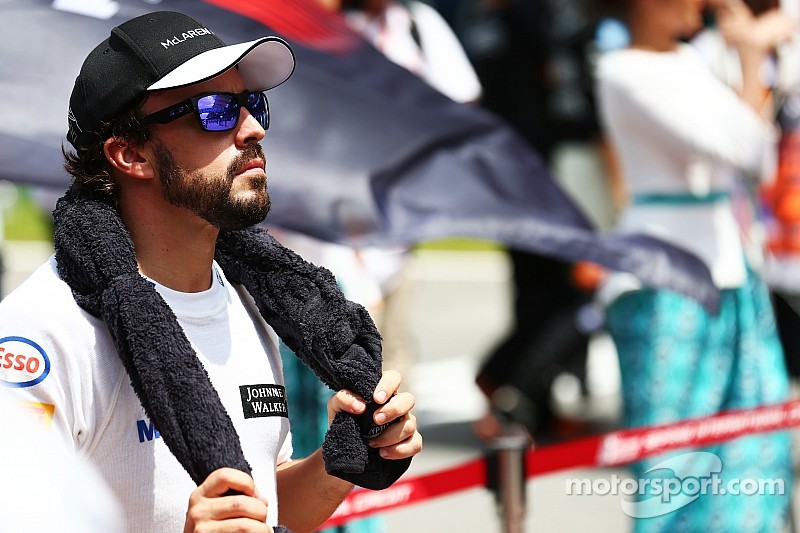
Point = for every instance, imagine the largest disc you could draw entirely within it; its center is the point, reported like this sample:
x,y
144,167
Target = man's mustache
x,y
250,152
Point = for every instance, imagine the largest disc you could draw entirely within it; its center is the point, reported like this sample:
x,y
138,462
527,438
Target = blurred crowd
x,y
691,106
682,116
537,64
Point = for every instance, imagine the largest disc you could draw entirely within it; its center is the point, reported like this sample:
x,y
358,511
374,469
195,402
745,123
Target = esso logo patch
x,y
23,363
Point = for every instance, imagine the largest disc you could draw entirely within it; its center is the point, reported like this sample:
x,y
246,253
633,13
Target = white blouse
x,y
680,135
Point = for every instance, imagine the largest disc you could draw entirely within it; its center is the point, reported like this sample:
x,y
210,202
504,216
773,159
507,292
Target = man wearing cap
x,y
149,341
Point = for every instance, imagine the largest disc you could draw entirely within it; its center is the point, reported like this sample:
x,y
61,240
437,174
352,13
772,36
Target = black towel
x,y
333,336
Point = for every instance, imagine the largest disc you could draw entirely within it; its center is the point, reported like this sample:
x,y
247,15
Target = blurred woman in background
x,y
680,135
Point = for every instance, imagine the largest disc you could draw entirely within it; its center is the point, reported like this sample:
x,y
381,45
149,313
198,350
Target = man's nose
x,y
250,130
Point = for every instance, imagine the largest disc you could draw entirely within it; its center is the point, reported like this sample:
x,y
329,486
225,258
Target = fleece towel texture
x,y
334,337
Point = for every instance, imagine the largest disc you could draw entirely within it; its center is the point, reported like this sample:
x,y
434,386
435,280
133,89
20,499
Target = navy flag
x,y
360,151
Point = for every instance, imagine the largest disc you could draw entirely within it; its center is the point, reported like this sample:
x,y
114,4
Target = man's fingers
x,y
400,439
210,510
398,406
406,448
396,433
345,401
223,480
241,525
238,506
387,386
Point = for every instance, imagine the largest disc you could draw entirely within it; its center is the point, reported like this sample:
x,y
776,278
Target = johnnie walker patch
x,y
259,401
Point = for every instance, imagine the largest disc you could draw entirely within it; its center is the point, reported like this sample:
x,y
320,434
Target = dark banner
x,y
359,151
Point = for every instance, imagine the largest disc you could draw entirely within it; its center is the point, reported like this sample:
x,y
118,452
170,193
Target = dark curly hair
x,y
89,167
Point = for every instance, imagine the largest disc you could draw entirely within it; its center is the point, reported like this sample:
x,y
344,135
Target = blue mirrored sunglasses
x,y
216,111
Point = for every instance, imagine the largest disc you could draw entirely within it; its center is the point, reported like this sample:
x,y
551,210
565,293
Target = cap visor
x,y
263,64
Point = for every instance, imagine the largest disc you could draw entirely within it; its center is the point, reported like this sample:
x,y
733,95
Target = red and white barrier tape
x,y
362,502
610,449
629,445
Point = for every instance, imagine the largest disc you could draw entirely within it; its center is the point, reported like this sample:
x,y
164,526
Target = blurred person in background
x,y
534,60
415,36
769,211
682,136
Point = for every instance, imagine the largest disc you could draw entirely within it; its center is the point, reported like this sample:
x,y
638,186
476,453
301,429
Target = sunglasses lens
x,y
258,107
218,112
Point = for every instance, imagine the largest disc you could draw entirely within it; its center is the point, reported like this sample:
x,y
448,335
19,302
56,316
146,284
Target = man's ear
x,y
128,158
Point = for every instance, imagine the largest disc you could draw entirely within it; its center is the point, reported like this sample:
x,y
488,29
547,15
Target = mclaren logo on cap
x,y
74,128
71,118
191,34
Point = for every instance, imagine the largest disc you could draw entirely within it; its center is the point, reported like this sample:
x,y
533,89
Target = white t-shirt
x,y
679,131
62,361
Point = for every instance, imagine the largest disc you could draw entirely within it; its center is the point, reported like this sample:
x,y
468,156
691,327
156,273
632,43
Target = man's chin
x,y
249,182
244,218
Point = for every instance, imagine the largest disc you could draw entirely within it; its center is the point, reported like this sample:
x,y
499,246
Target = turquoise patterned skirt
x,y
679,362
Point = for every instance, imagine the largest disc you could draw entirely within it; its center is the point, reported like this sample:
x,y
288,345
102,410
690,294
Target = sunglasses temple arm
x,y
169,114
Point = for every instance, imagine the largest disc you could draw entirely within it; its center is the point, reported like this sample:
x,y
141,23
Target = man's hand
x,y
210,511
399,440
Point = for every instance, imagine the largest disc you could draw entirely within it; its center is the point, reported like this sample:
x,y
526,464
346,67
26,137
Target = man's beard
x,y
210,197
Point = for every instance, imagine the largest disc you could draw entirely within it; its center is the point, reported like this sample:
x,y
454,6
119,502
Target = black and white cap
x,y
164,50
